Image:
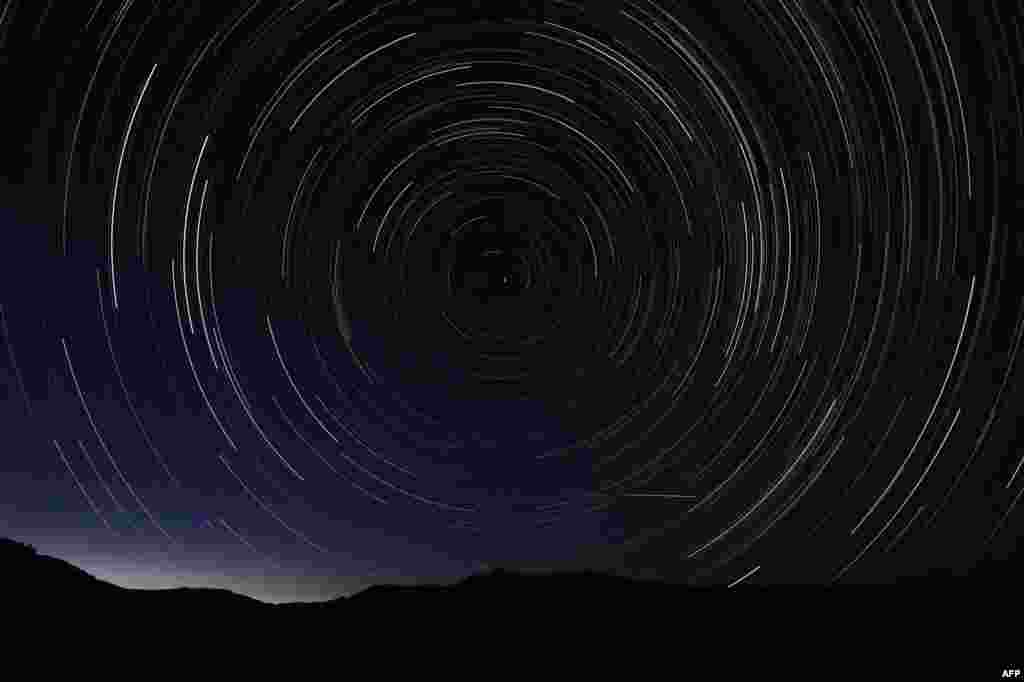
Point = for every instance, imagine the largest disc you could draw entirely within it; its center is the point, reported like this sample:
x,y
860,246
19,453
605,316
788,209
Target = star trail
x,y
302,297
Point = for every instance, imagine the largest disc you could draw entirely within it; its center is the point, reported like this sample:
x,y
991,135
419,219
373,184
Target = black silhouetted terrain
x,y
33,577
21,565
30,576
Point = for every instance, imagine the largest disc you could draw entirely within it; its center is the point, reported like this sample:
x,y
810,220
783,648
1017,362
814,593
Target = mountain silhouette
x,y
758,625
21,565
29,575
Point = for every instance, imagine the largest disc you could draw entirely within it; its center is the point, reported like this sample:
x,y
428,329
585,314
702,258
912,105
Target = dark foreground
x,y
957,627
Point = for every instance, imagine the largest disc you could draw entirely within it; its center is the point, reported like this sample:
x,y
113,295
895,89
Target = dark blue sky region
x,y
221,535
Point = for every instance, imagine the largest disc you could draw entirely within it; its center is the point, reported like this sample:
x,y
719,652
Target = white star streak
x,y
959,100
789,260
520,85
357,119
14,361
95,508
124,386
99,477
184,230
333,80
904,503
188,355
927,421
360,441
383,220
106,450
383,481
78,125
117,181
275,100
369,201
199,290
241,538
236,386
291,213
783,477
746,575
263,505
627,65
295,388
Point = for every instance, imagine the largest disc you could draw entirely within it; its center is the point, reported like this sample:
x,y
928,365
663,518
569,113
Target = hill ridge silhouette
x,y
38,576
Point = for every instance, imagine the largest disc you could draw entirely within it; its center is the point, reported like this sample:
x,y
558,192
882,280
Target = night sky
x,y
302,297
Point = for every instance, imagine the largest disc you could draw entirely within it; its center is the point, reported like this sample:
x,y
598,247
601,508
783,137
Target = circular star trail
x,y
302,296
